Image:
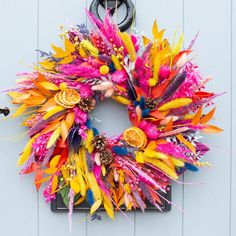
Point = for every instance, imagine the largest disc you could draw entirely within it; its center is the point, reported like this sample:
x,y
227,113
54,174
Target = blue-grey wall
x,y
209,208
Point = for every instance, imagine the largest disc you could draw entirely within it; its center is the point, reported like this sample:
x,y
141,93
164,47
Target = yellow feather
x,y
55,135
92,182
108,206
81,182
126,39
53,111
176,103
162,166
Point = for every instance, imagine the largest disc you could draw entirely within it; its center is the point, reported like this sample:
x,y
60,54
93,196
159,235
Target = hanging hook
x,y
113,5
5,111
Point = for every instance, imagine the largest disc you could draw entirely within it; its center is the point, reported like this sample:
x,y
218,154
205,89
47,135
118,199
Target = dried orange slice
x,y
58,101
135,137
70,97
67,98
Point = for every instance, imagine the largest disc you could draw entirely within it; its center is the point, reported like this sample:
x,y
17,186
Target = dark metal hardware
x,y
113,5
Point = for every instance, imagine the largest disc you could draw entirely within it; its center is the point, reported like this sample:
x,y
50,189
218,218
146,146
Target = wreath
x,y
163,92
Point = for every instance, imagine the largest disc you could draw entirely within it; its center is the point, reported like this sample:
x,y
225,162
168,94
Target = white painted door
x,y
209,208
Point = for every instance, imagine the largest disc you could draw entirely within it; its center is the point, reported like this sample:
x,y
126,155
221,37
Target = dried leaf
x,y
197,117
211,129
208,116
64,130
95,206
55,161
20,110
55,135
49,86
54,183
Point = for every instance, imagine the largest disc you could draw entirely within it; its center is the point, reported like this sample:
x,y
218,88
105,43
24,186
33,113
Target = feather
x,y
162,166
81,181
92,182
108,205
176,103
74,138
174,85
131,90
139,200
122,151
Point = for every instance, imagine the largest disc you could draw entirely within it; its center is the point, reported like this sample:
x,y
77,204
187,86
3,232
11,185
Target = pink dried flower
x,y
119,76
149,128
191,83
40,146
80,116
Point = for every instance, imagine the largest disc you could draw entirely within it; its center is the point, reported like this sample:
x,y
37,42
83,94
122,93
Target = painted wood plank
x,y
207,206
169,15
52,14
18,40
113,120
233,118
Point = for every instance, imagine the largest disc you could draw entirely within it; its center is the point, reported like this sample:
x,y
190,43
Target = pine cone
x,y
99,143
151,103
106,156
87,104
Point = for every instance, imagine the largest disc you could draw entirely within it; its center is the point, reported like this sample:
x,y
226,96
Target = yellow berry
x,y
152,82
63,86
104,70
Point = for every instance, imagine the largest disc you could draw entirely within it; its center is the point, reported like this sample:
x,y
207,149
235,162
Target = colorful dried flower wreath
x,y
164,95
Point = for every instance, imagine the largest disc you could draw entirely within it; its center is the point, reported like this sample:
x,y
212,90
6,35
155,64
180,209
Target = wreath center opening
x,y
110,117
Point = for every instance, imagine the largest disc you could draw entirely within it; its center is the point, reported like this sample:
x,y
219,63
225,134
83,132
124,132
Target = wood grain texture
x,y
17,195
207,205
169,15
